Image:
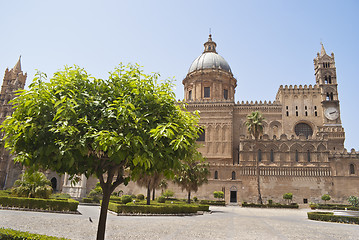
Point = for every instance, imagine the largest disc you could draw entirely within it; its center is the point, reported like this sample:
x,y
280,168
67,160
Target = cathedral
x,y
300,151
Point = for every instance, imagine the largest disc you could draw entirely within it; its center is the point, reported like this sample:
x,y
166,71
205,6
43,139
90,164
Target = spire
x,y
210,46
17,67
322,51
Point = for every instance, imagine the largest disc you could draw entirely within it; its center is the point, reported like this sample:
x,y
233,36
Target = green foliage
x,y
330,217
275,205
326,198
5,193
126,199
254,124
218,194
77,124
353,200
10,234
95,194
37,203
140,197
32,185
288,196
168,193
157,209
161,199
193,172
270,202
60,196
336,207
214,203
195,199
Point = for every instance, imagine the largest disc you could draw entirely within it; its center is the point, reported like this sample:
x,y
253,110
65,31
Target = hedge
x,y
330,217
213,203
38,203
9,234
275,205
337,207
157,209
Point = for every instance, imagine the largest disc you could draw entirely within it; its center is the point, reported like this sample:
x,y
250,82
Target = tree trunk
x,y
153,194
148,194
103,214
189,197
260,201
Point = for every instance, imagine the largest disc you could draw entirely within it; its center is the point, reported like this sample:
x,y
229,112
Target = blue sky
x,y
266,43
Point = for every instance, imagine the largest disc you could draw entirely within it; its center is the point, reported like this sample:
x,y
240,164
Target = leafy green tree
x,y
255,128
78,124
33,185
193,173
326,197
163,185
168,193
218,194
353,200
96,193
288,197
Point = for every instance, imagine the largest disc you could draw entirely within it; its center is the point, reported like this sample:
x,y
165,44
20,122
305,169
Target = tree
x,y
353,200
326,197
78,124
193,173
255,128
218,194
33,185
150,182
288,197
163,185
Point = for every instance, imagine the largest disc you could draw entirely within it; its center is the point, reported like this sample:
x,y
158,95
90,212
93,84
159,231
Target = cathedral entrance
x,y
233,198
233,195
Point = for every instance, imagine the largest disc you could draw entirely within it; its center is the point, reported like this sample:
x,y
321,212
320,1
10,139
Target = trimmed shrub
x,y
161,199
275,205
330,217
354,201
213,203
218,194
326,198
288,197
38,203
168,193
270,202
155,209
337,207
9,234
60,196
140,197
126,199
87,200
96,193
195,199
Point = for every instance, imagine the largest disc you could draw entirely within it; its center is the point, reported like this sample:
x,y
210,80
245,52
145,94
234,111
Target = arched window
x,y
202,136
271,155
190,95
225,94
296,156
233,175
330,79
215,174
303,128
259,155
325,80
331,97
351,169
308,156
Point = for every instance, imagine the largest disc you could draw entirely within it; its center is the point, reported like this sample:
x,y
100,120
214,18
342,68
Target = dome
x,y
209,60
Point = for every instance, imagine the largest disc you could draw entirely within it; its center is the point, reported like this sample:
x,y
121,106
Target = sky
x,y
266,43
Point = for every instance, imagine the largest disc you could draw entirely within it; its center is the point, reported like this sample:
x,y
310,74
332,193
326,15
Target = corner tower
x,y
326,79
14,80
209,77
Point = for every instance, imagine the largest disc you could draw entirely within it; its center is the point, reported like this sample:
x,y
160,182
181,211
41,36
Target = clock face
x,y
331,113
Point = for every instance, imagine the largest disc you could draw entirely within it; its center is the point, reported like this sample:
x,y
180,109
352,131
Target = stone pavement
x,y
224,223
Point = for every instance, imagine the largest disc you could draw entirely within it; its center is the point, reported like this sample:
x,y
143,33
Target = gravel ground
x,y
223,223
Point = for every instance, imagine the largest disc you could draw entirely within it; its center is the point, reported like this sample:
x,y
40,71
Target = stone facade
x,y
302,146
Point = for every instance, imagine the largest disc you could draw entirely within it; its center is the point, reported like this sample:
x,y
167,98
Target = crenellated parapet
x,y
247,107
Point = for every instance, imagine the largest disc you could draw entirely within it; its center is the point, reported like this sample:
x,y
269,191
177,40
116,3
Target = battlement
x,y
299,88
345,154
285,137
258,103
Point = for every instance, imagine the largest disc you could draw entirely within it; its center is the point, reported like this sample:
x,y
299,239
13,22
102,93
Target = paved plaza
x,y
224,223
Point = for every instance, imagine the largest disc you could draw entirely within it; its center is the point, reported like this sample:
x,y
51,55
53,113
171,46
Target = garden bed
x,y
156,209
19,203
274,205
330,217
6,233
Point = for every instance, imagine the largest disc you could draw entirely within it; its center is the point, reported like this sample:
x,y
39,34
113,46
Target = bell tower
x,y
326,79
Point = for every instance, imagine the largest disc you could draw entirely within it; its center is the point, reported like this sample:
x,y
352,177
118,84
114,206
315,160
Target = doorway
x,y
233,197
54,184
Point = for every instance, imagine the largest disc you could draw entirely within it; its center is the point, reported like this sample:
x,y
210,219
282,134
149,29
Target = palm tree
x,y
255,128
150,182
